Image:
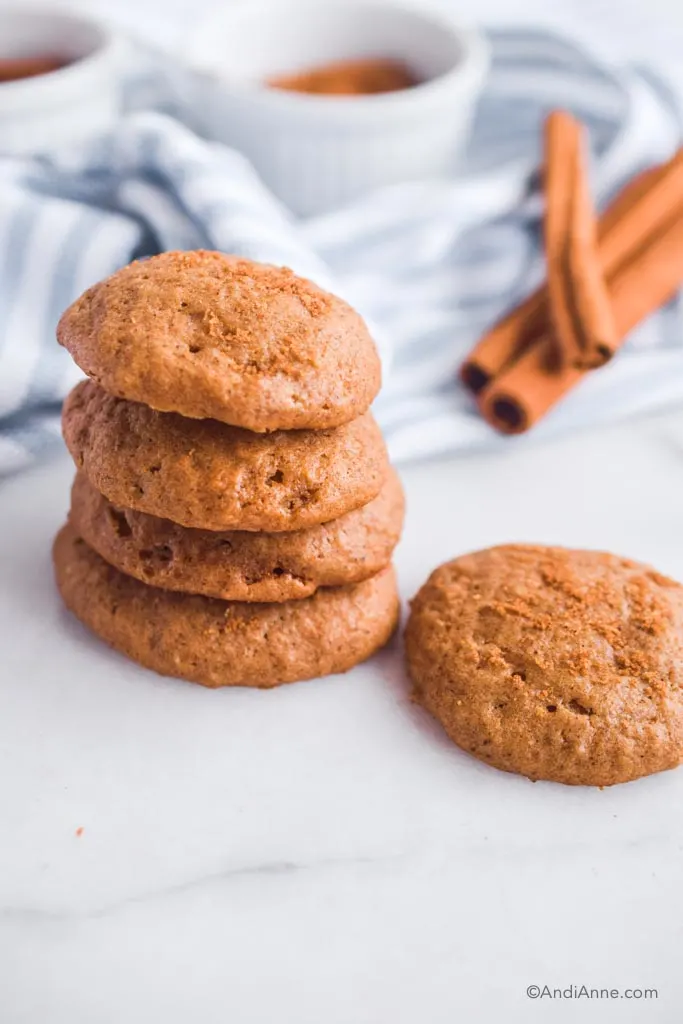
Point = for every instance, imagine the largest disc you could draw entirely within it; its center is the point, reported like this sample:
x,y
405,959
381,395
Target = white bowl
x,y
43,112
316,152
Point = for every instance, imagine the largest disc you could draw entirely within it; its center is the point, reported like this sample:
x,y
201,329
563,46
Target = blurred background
x,y
618,28
365,196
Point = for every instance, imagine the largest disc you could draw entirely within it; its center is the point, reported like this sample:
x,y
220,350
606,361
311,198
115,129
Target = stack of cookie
x,y
234,513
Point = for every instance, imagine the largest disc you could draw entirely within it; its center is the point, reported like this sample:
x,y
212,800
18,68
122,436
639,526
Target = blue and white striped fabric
x,y
429,264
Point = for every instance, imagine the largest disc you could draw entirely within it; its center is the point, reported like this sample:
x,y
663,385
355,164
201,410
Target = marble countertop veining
x,y
321,852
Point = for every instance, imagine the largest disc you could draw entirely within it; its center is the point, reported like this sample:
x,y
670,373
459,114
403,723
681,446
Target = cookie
x,y
206,474
223,643
212,336
241,566
556,664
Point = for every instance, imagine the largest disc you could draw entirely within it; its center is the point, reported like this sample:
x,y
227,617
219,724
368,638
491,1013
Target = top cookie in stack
x,y
227,457
211,336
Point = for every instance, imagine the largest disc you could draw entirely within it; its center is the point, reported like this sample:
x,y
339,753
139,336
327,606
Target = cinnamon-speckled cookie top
x,y
213,336
236,565
556,664
205,474
225,643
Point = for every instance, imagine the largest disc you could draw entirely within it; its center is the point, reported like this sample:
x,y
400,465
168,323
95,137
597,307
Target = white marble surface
x,y
321,852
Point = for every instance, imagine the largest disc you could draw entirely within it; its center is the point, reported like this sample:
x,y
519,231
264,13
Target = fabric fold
x,y
429,264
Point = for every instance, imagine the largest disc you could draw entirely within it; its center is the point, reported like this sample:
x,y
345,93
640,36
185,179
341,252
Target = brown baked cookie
x,y
223,643
213,336
556,664
206,474
241,566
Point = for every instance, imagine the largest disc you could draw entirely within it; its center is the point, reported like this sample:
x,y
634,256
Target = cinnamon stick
x,y
505,341
595,340
580,309
562,141
532,385
622,229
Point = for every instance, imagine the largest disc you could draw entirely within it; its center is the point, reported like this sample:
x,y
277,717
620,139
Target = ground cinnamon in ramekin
x,y
349,78
14,68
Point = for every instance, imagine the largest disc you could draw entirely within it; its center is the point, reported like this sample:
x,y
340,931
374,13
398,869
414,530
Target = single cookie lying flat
x,y
556,664
212,336
241,566
222,643
208,475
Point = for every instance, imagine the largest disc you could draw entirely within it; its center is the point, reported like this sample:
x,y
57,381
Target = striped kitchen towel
x,y
429,264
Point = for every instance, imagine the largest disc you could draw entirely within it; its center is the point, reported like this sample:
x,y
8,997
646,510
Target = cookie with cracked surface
x,y
237,565
225,643
209,475
553,663
213,336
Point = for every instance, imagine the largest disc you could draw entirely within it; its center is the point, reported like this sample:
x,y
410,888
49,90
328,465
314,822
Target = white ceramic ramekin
x,y
317,152
37,114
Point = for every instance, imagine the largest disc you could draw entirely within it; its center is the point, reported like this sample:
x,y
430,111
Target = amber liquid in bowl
x,y
365,77
12,69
